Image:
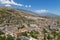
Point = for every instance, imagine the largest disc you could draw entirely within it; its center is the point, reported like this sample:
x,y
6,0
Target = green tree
x,y
44,32
9,37
1,33
34,34
18,38
2,37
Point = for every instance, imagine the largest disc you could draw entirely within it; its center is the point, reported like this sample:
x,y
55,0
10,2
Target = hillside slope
x,y
20,21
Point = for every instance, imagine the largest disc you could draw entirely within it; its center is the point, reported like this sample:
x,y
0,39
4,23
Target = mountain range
x,y
47,14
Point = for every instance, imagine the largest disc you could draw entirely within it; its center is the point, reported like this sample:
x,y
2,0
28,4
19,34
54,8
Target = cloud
x,y
8,5
16,3
27,6
41,11
11,2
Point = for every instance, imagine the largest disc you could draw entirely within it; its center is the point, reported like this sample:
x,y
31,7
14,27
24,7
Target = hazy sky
x,y
39,6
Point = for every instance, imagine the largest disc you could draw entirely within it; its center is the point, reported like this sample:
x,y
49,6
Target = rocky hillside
x,y
27,25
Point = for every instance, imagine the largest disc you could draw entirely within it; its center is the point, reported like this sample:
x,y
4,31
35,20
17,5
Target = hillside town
x,y
23,25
